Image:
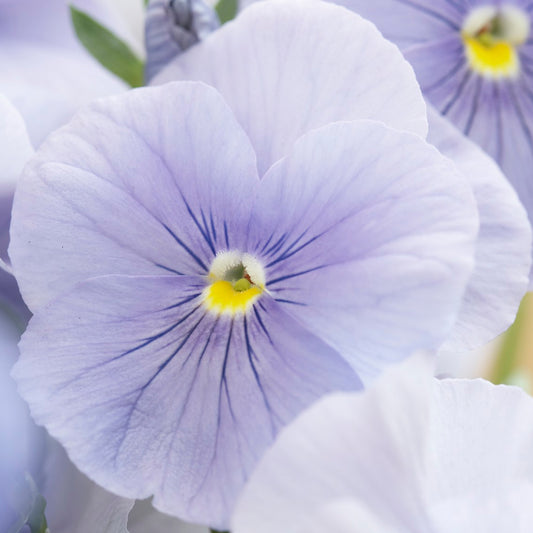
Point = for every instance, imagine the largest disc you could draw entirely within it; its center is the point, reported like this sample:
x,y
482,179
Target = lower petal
x,y
151,393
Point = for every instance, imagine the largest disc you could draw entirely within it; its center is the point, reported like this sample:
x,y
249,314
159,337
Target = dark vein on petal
x,y
431,13
202,230
458,93
251,355
474,107
295,275
261,324
452,72
145,387
185,247
168,269
521,119
284,301
226,238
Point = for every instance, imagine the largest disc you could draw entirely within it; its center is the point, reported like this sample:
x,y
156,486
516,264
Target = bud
x,y
173,26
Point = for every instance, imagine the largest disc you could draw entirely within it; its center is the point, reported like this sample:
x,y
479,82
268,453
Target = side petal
x,y
153,181
367,447
367,235
503,251
284,72
151,393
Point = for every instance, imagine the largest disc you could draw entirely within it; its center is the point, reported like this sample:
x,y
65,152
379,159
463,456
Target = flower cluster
x,y
235,284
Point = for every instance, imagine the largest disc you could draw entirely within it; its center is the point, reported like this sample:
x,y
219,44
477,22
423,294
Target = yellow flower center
x,y
491,37
494,60
236,281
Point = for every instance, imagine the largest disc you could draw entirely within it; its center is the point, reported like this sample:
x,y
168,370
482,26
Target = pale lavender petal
x,y
503,249
144,518
15,151
367,236
346,516
74,504
153,182
452,467
367,447
471,451
48,84
408,22
284,72
151,393
495,112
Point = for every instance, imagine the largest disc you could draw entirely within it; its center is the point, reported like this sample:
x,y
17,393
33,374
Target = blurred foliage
x,y
226,10
110,51
514,362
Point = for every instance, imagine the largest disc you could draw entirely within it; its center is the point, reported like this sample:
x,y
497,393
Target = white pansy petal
x,y
313,460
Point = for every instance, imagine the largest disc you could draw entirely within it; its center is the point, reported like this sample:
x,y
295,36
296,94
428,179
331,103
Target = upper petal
x,y
288,67
152,181
367,235
503,250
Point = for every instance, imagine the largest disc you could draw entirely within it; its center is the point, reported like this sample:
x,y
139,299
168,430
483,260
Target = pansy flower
x,y
474,62
409,455
195,284
238,58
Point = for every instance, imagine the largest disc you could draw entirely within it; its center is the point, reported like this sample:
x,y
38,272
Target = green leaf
x,y
113,53
226,10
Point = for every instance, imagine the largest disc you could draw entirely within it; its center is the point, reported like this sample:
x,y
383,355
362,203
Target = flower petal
x,y
407,22
284,72
15,151
146,183
367,447
48,84
367,235
144,518
503,252
74,504
470,449
150,393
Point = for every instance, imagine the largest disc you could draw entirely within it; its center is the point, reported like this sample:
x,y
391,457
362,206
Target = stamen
x,y
491,36
236,281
